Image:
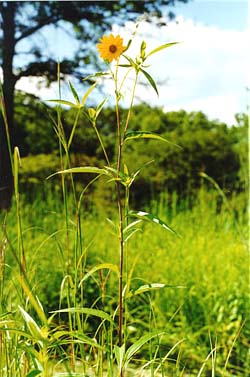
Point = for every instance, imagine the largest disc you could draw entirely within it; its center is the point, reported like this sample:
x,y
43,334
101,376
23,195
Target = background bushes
x,y
203,146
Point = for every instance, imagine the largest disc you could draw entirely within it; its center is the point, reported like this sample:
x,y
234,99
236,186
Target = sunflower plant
x,y
115,53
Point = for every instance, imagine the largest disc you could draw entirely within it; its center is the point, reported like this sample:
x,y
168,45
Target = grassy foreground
x,y
193,287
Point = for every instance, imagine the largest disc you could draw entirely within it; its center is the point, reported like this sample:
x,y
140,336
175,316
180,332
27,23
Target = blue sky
x,y
208,71
225,14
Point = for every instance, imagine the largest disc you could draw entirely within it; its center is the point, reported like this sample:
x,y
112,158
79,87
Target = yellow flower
x,y
111,47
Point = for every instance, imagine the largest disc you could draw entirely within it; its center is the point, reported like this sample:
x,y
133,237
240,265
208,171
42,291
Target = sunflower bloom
x,y
110,47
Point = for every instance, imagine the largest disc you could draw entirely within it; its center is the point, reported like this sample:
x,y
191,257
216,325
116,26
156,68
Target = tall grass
x,y
209,261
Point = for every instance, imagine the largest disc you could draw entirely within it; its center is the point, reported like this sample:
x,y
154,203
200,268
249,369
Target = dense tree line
x,y
196,144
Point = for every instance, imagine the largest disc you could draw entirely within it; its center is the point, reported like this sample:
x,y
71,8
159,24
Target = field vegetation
x,y
204,304
158,287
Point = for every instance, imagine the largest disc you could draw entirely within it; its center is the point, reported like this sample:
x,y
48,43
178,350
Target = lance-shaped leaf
x,y
88,311
119,355
130,135
83,169
151,287
85,339
162,47
163,359
84,98
100,106
130,230
74,92
34,329
33,300
133,64
150,80
131,351
102,266
63,102
97,74
151,218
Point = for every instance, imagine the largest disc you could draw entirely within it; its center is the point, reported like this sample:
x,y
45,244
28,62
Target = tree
x,y
21,20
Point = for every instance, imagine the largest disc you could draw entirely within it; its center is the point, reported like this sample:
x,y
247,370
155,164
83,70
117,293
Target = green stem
x,y
73,128
131,103
120,213
101,143
120,137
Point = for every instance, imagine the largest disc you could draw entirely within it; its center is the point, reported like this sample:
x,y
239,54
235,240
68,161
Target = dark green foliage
x,y
34,128
203,146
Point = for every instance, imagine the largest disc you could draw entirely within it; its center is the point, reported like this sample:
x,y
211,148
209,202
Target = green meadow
x,y
200,294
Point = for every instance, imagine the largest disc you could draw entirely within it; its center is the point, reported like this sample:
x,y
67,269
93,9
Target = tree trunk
x,y
9,81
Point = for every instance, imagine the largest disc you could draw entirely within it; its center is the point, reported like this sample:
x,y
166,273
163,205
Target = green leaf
x,y
100,106
34,329
62,102
83,169
113,225
109,266
33,300
130,135
138,344
163,359
124,65
162,47
133,64
97,74
130,234
17,163
73,91
18,332
34,373
129,230
150,80
151,218
88,311
151,287
85,339
215,184
128,45
119,355
84,98
118,175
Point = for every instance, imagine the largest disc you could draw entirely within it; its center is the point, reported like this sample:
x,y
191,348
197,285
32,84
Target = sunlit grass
x,y
209,260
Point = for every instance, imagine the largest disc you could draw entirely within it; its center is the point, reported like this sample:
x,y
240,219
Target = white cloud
x,y
207,71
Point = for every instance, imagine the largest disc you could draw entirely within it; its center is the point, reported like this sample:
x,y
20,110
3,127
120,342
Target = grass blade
x,y
82,169
109,266
130,135
162,47
151,287
63,102
88,311
138,344
151,218
84,98
150,80
73,91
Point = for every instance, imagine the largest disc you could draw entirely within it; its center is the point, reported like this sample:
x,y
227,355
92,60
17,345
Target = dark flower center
x,y
112,48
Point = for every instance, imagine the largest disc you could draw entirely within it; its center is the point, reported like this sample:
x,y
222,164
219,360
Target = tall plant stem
x,y
101,143
121,210
131,104
120,213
